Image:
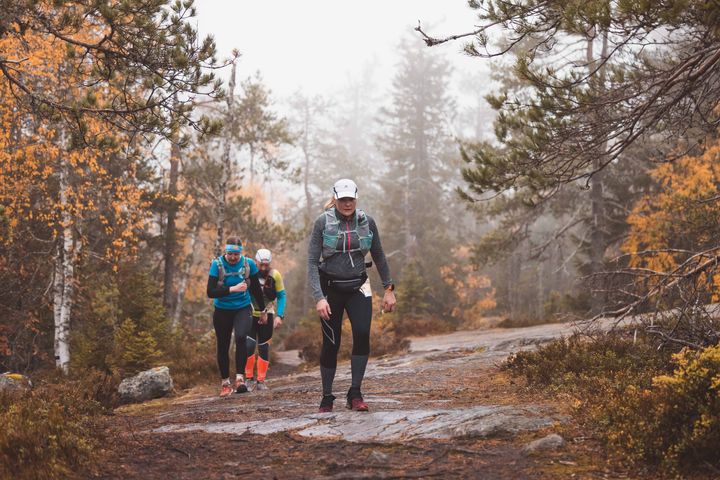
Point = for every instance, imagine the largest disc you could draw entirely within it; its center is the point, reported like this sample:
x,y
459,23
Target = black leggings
x,y
359,310
260,335
224,322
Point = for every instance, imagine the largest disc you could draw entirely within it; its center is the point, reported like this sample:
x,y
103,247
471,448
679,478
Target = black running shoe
x,y
326,404
240,386
355,400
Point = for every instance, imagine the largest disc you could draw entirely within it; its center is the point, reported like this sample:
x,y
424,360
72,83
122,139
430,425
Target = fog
x,y
319,46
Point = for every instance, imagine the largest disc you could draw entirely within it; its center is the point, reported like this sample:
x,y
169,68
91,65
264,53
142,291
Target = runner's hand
x,y
240,287
277,321
263,318
389,301
323,309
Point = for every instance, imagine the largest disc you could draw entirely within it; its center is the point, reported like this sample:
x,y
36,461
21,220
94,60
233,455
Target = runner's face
x,y
232,257
264,268
346,205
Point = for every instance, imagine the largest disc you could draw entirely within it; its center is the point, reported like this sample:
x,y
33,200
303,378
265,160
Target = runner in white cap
x,y
340,239
261,333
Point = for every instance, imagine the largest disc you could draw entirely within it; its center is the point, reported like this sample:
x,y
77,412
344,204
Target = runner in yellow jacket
x,y
261,334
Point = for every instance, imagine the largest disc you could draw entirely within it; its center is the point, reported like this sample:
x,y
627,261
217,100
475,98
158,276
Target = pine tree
x,y
417,225
657,79
147,53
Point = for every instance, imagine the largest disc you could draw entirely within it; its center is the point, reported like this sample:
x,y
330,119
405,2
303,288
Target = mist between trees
x,y
124,166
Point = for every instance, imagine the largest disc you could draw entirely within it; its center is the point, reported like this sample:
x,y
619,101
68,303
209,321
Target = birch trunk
x,y
65,276
57,296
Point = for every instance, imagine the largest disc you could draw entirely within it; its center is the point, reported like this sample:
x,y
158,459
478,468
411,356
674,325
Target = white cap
x,y
345,188
263,255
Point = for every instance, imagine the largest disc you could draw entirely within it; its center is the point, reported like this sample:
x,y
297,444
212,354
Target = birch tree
x,y
59,190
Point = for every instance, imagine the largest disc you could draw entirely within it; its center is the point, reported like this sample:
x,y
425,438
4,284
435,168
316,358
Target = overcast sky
x,y
316,45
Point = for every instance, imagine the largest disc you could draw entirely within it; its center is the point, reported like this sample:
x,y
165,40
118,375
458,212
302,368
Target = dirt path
x,y
443,410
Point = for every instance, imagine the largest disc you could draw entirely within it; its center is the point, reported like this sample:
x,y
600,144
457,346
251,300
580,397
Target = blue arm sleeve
x,y
281,303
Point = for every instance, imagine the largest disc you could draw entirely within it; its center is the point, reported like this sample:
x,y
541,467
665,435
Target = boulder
x,y
153,383
14,383
550,442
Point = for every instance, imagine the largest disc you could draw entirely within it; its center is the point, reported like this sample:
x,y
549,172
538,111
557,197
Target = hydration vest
x,y
336,240
244,270
268,286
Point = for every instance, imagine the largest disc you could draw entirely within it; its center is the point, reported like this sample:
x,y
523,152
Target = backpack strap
x,y
221,270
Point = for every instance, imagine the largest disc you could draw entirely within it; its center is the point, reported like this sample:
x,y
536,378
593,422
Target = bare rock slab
x,y
390,426
153,383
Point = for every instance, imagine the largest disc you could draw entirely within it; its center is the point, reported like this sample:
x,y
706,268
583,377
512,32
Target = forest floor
x,y
445,409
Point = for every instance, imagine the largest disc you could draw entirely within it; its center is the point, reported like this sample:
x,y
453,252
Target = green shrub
x,y
125,328
582,362
135,350
192,359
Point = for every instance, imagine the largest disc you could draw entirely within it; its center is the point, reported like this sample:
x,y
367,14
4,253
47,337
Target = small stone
x,y
551,442
377,456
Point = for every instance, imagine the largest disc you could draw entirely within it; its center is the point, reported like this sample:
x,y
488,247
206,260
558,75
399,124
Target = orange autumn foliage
x,y
34,149
681,219
473,291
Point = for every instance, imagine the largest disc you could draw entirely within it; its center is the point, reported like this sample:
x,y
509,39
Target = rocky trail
x,y
443,410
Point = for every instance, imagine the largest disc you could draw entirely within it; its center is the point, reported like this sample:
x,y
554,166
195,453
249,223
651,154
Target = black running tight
x,y
359,310
260,335
224,322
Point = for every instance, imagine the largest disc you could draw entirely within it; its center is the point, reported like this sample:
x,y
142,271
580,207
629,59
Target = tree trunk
x,y
226,163
170,249
408,240
252,165
57,301
184,275
597,200
64,282
540,306
305,146
513,278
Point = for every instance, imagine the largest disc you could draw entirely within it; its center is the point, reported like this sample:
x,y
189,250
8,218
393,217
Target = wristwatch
x,y
390,288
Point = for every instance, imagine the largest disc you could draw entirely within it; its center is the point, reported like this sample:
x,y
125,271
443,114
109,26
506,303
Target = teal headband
x,y
233,249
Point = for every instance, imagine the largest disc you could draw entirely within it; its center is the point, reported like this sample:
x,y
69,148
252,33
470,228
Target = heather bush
x,y
52,431
651,406
675,422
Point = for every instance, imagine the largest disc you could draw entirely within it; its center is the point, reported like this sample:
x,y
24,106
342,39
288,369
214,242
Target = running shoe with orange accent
x,y
355,400
261,385
226,389
326,404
